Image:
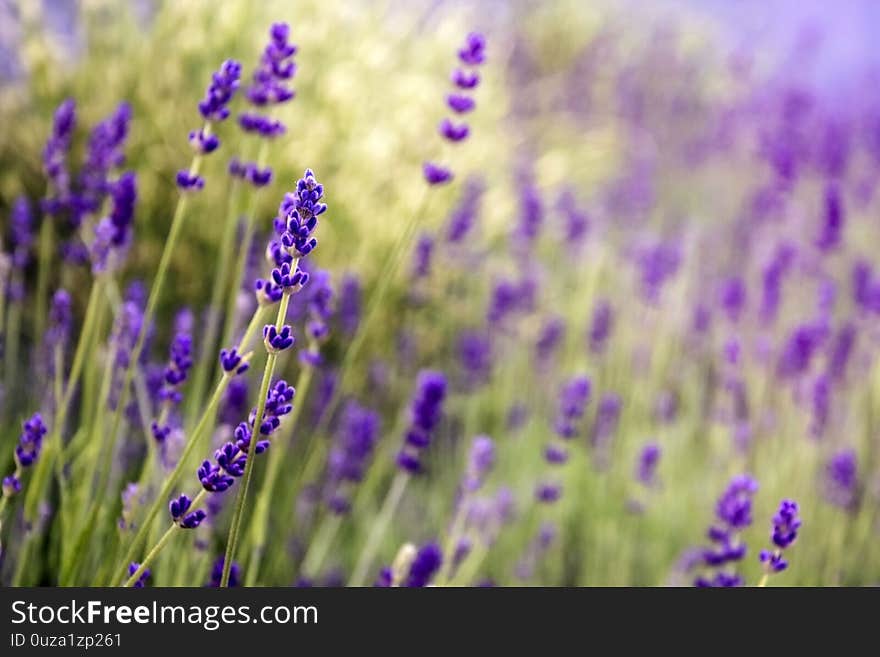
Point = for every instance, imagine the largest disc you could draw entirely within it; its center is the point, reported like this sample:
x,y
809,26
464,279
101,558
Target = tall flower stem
x,y
244,249
380,525
155,291
45,465
45,260
220,285
157,549
260,525
13,341
320,545
171,480
238,510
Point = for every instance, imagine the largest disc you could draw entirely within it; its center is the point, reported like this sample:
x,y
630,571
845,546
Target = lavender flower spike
x,y
786,524
224,84
426,411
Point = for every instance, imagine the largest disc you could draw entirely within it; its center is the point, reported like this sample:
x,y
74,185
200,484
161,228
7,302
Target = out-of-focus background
x,y
683,154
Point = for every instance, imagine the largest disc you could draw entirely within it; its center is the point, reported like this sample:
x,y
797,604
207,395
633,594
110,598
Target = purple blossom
x,y
350,304
646,467
461,220
231,361
142,580
56,151
224,84
181,514
831,231
481,459
475,356
421,266
277,339
426,563
350,456
436,174
841,483
601,326
275,70
303,209
573,399
549,339
426,411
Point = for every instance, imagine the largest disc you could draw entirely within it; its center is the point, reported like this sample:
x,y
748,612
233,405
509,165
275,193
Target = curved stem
x,y
157,549
238,511
261,512
244,249
389,506
220,284
170,481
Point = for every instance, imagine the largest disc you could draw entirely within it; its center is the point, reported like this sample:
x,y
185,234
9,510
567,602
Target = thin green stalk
x,y
220,285
320,545
171,480
46,463
46,262
157,549
259,528
244,249
451,540
13,341
238,511
377,531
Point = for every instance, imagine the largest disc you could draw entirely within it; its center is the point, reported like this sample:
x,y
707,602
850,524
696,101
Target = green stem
x,y
320,545
46,242
389,506
244,249
162,498
157,549
449,548
13,341
35,494
763,581
238,511
212,328
259,528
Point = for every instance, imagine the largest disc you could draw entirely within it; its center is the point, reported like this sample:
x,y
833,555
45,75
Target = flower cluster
x,y
214,107
786,524
350,456
175,374
734,513
301,210
425,565
319,310
460,102
426,411
230,459
30,442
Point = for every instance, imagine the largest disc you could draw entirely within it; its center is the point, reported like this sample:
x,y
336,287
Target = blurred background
x,y
676,149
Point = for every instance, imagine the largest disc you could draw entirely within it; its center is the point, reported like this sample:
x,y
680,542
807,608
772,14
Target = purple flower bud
x,y
262,125
422,257
460,104
601,326
831,232
649,459
786,524
276,340
224,84
426,411
841,480
436,174
142,580
465,79
187,181
473,52
480,461
454,132
203,143
461,221
573,399
231,361
275,70
11,486
426,563
213,479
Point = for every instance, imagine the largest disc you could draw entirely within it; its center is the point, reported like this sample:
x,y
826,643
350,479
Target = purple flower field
x,y
450,294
